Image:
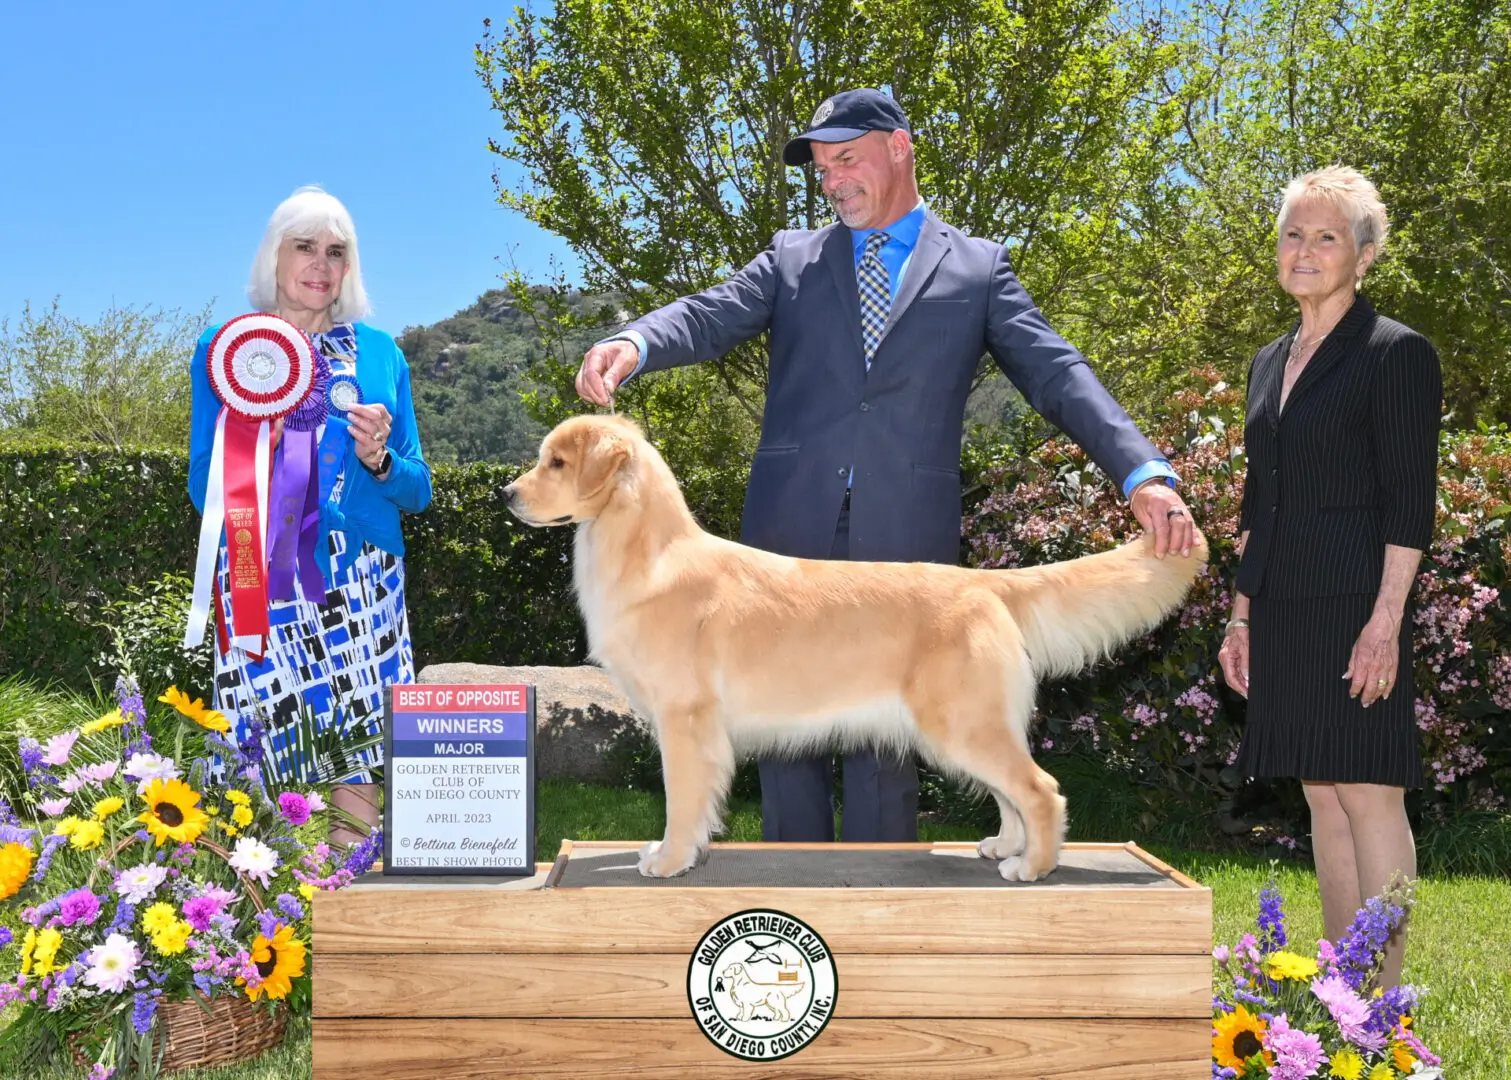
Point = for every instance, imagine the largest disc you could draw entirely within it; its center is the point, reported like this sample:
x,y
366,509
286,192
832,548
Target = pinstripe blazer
x,y
1348,467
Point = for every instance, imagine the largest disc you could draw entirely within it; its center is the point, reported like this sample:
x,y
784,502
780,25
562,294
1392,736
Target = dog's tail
x,y
1072,613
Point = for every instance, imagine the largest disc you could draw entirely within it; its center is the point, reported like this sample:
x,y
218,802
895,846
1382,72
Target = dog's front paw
x,y
657,860
1017,868
1000,847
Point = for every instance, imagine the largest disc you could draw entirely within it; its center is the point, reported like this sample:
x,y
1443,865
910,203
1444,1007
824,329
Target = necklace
x,y
1298,346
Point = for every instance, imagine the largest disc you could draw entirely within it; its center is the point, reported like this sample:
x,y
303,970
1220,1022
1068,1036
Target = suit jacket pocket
x,y
935,513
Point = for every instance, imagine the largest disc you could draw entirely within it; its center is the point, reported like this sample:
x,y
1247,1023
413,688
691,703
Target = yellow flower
x,y
1288,965
66,826
46,954
1403,1057
28,944
212,810
240,798
1347,1065
1382,1071
173,938
15,868
111,719
159,917
307,891
232,830
196,710
279,960
173,812
107,806
1236,1037
242,816
88,834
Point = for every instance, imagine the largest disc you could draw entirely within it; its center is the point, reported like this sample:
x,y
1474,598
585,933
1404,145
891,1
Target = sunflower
x,y
86,835
173,812
111,719
196,710
15,868
1236,1037
279,961
1288,965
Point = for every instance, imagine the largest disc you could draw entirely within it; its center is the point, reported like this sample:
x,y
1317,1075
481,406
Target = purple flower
x,y
1360,950
290,906
31,755
363,855
125,915
1271,920
1221,954
101,1072
1385,1011
142,1012
6,937
199,911
1298,1054
79,906
1346,1007
129,696
295,807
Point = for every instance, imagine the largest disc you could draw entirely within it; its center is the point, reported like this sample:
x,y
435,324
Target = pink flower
x,y
1348,1010
98,774
53,807
72,783
199,911
1298,1054
59,747
315,801
295,807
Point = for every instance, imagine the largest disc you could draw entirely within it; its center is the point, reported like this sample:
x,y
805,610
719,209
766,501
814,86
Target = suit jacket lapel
x,y
839,256
931,247
1331,350
1272,375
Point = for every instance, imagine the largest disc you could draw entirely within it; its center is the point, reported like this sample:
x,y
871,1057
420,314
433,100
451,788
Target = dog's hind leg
x,y
1010,840
697,762
976,715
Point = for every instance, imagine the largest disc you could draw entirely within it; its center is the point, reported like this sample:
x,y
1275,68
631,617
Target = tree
x,y
651,133
122,380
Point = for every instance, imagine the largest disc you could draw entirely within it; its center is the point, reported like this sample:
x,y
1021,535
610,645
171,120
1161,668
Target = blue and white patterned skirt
x,y
335,659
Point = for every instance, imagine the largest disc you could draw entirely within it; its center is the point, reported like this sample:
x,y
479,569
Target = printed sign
x,y
459,780
762,985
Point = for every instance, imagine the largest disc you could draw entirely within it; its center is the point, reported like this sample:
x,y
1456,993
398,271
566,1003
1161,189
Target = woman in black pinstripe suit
x,y
1338,506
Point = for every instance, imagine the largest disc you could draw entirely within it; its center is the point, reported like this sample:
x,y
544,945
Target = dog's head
x,y
581,462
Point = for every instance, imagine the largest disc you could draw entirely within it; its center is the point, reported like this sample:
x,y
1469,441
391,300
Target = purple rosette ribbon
x,y
294,506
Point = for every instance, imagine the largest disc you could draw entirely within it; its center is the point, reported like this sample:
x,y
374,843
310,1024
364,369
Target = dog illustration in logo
x,y
748,994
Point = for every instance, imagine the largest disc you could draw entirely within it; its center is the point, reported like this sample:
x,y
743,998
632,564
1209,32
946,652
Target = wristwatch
x,y
384,463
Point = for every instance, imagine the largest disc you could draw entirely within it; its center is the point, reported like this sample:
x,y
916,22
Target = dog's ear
x,y
603,453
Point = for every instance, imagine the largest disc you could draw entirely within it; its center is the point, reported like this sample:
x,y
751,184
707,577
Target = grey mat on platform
x,y
851,869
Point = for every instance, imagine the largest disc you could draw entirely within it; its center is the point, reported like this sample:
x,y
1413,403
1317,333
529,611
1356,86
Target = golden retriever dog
x,y
727,649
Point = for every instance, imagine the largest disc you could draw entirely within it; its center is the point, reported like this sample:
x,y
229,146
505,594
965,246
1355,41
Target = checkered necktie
x,y
875,294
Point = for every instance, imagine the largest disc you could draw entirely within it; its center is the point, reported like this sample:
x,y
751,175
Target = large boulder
x,y
579,716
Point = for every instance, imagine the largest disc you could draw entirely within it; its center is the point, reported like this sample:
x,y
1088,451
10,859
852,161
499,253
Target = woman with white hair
x,y
1338,506
327,657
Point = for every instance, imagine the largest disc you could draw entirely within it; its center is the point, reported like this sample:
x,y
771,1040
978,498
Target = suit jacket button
x,y
841,471
865,406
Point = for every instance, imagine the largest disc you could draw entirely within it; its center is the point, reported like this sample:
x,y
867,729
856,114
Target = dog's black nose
x,y
509,493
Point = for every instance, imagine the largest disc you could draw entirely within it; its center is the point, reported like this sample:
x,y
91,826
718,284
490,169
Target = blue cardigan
x,y
369,510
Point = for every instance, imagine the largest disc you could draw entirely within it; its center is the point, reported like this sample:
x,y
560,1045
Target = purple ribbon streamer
x,y
311,551
291,480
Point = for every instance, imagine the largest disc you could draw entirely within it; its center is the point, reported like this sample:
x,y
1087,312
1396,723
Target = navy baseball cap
x,y
845,116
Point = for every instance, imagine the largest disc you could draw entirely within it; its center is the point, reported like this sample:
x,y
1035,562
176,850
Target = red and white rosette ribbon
x,y
261,368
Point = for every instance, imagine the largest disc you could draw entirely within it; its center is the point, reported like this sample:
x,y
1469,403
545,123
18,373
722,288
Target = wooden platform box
x,y
939,968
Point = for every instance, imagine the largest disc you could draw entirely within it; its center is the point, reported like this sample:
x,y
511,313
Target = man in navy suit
x,y
877,324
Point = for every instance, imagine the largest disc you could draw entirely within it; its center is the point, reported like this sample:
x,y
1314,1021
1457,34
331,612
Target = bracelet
x,y
1235,624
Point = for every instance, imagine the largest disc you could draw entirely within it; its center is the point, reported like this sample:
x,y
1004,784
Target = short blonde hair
x,y
1349,191
307,213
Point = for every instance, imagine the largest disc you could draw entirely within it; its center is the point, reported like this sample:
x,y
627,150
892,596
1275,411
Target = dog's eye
x,y
556,463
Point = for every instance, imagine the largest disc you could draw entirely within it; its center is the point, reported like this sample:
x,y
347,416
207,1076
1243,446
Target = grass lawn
x,y
1460,948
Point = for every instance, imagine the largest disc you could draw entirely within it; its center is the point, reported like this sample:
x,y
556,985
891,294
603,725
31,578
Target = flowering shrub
x,y
1159,709
1283,1015
145,880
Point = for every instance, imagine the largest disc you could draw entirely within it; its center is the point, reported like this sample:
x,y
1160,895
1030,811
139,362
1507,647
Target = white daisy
x,y
254,859
112,965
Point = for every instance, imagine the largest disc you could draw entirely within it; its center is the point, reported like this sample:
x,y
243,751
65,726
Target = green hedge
x,y
85,534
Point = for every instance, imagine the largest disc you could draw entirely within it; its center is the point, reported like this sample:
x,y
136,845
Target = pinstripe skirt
x,y
1301,721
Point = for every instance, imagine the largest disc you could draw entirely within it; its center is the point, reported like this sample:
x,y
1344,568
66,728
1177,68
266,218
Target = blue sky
x,y
143,146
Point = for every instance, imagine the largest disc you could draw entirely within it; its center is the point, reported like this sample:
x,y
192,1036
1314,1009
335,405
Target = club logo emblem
x,y
822,114
761,984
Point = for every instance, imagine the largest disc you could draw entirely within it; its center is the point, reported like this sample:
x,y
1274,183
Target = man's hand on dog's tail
x,y
1161,511
604,368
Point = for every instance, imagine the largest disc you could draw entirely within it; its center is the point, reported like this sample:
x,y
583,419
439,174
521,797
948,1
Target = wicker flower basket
x,y
234,1029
